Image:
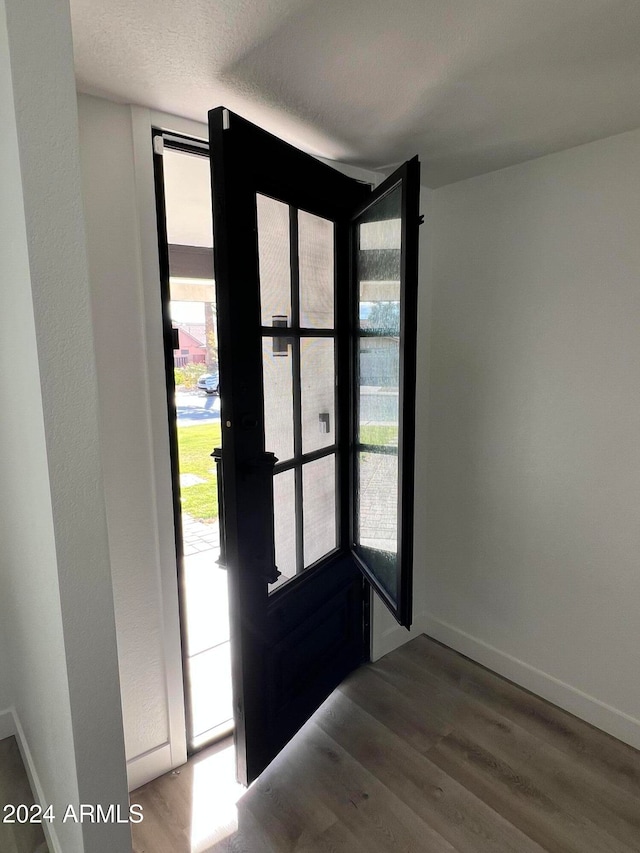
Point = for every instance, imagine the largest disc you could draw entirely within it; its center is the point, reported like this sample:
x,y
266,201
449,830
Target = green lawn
x,y
195,444
378,434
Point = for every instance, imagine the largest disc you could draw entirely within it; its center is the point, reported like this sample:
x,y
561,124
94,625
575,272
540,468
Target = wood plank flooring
x,y
422,751
15,789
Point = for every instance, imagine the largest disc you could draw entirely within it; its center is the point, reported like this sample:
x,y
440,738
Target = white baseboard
x,y
7,724
36,787
611,720
140,770
396,636
143,768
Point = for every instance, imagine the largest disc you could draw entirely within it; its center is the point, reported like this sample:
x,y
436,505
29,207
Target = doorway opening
x,y
185,233
316,273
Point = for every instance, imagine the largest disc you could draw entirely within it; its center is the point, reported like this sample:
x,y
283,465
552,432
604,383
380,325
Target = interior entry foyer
x,y
422,751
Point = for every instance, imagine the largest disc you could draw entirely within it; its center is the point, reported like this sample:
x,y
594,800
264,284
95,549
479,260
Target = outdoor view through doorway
x,y
192,308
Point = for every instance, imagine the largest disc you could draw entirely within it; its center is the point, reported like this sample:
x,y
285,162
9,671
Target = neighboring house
x,y
197,330
379,362
190,349
527,460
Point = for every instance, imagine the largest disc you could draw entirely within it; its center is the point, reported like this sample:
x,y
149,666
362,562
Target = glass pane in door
x,y
378,363
316,264
378,388
278,399
319,502
284,511
379,271
378,501
274,261
318,389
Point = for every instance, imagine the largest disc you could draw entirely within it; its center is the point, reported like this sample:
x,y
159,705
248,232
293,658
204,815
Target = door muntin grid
x,y
378,269
296,265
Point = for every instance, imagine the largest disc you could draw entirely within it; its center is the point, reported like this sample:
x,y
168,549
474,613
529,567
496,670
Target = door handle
x,y
265,461
222,559
261,468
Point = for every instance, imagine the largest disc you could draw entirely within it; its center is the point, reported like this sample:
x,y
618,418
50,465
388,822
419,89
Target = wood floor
x,y
14,789
422,751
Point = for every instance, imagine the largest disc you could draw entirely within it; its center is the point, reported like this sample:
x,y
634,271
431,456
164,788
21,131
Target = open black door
x,y
295,251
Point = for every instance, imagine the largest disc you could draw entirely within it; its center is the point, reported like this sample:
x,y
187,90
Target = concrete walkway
x,y
206,630
199,535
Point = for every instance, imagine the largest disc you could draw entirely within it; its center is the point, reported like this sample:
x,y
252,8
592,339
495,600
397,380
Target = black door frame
x,y
407,177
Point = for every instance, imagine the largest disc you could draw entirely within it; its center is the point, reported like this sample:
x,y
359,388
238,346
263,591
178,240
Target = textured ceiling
x,y
469,85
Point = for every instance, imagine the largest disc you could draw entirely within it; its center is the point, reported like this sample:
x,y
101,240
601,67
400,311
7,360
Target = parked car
x,y
209,382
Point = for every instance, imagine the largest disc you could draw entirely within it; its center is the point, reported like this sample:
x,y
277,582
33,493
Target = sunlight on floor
x,y
206,600
208,651
215,794
211,698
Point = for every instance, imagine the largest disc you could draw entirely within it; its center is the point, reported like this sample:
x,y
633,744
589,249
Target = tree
x,y
385,317
211,342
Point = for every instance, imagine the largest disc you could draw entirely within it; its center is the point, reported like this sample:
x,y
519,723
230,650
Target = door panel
x,y
299,602
384,244
314,653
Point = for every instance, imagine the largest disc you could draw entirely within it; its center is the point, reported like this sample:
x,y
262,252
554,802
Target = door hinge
x,y
158,145
226,119
366,607
421,219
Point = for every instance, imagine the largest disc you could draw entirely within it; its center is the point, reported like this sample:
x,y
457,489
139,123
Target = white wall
x,y
534,453
133,424
6,680
55,586
26,530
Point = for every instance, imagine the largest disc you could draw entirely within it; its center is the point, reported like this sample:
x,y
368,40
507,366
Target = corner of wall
x,y
601,715
7,723
391,635
10,726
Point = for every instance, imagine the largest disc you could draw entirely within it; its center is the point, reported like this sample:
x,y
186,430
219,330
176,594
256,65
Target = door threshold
x,y
211,736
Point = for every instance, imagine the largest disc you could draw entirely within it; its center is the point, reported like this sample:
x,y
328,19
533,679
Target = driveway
x,y
197,407
378,406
